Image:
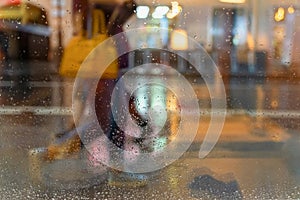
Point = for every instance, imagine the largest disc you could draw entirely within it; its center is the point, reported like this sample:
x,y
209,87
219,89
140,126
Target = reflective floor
x,y
256,157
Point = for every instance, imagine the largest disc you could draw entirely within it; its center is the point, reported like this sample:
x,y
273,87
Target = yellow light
x,y
279,15
179,40
291,10
176,9
274,104
280,11
250,42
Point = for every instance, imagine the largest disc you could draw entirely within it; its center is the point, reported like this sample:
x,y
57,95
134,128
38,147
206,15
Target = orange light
x,y
176,9
291,10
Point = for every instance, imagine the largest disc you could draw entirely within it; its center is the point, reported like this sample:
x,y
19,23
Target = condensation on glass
x,y
149,99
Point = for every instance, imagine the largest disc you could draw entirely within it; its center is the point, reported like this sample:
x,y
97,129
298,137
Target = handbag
x,y
81,46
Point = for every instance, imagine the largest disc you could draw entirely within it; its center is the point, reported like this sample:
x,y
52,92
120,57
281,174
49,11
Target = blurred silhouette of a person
x,y
116,15
116,19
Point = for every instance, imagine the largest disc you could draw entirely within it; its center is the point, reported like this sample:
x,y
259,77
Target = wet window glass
x,y
126,99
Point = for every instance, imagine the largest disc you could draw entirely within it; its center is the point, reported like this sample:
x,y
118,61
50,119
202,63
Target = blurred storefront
x,y
59,17
238,35
244,39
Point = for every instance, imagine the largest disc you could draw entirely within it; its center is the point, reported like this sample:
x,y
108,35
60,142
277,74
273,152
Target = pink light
x,y
9,2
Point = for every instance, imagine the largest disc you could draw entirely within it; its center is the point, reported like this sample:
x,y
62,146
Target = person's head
x,y
127,8
120,15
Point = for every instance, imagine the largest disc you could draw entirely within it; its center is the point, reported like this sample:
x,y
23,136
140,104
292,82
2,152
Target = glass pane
x,y
149,99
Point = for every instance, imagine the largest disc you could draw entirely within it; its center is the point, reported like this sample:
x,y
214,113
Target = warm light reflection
x,y
179,40
176,9
250,41
291,10
274,104
279,15
173,107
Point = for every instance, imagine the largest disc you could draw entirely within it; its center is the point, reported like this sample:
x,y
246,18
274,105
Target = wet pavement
x,y
256,157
